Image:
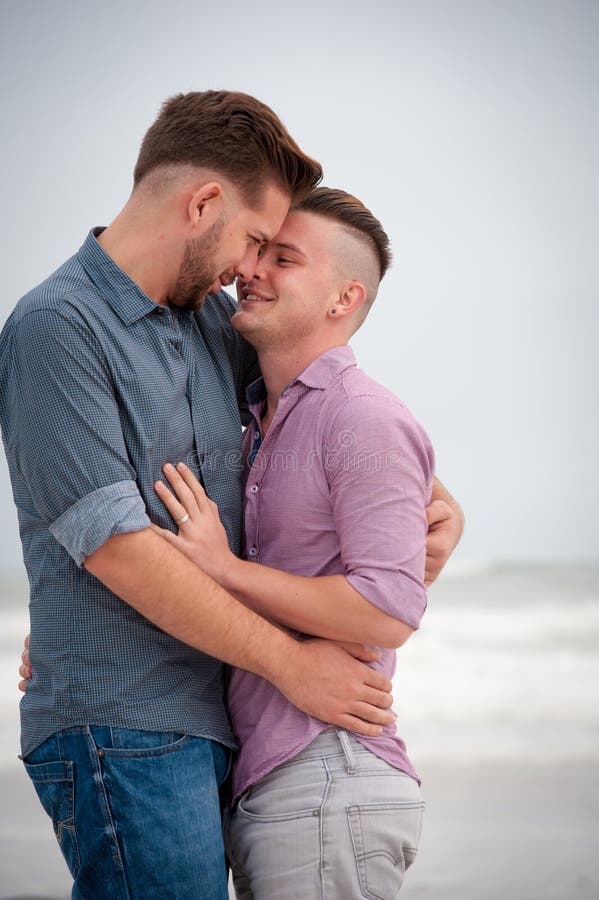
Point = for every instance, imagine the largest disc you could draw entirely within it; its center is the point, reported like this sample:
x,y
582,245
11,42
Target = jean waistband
x,y
333,742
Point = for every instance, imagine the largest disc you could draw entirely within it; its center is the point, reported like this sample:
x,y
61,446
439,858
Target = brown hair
x,y
233,133
353,216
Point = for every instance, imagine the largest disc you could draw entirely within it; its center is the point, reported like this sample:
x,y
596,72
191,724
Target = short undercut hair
x,y
233,133
349,212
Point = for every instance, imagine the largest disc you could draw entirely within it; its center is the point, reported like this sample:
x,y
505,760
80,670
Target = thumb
x,y
360,651
438,511
165,534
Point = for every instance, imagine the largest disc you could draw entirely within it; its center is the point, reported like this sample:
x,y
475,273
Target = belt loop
x,y
348,752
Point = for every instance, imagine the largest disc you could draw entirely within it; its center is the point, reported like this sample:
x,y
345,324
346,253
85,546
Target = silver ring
x,y
183,519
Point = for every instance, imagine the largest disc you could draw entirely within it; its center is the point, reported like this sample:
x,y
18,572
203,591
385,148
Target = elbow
x,y
393,635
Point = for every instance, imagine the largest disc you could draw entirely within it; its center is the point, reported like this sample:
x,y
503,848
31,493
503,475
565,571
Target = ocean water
x,y
504,667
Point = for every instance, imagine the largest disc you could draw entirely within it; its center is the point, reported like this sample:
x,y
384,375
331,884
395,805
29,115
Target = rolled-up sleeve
x,y
380,468
85,526
66,435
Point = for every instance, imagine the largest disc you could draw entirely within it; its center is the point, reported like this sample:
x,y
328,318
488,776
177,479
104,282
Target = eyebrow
x,y
291,247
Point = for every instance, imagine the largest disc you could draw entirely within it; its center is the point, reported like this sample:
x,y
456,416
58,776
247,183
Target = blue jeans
x,y
136,813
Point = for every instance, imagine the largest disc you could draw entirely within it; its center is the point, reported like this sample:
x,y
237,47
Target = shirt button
x,y
253,551
255,488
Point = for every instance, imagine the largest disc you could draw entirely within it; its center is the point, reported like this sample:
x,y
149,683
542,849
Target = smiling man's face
x,y
293,284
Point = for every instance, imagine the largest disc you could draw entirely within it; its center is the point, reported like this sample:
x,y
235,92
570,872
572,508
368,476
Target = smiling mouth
x,y
248,293
254,298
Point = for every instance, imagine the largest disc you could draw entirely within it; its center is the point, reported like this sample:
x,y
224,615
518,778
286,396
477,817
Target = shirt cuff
x,y
88,523
399,595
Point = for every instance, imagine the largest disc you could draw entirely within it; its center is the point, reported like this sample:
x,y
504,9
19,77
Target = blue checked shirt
x,y
100,387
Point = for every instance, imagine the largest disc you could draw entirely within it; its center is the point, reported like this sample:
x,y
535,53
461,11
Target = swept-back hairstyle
x,y
351,213
233,133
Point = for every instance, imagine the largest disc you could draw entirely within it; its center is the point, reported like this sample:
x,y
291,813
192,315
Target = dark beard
x,y
197,273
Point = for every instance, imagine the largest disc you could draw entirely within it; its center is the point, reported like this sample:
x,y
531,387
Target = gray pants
x,y
333,823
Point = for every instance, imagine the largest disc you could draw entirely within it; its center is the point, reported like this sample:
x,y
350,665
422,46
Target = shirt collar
x,y
124,296
326,367
318,374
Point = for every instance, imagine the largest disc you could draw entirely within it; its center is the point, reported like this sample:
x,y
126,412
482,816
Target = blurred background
x,y
471,130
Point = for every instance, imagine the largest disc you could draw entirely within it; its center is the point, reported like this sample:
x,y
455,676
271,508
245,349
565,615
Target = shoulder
x,y
359,412
354,394
54,316
57,299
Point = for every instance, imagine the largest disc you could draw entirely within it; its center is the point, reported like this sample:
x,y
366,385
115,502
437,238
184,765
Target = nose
x,y
247,267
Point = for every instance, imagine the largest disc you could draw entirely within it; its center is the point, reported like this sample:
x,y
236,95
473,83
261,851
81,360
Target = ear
x,y
205,205
351,298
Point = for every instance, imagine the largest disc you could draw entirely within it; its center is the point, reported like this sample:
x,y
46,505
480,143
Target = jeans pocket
x,y
129,743
54,783
254,804
385,838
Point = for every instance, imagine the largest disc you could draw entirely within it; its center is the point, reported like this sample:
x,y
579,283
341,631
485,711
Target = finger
x,y
372,714
438,543
382,699
27,641
175,508
376,680
193,484
25,658
432,569
25,671
166,535
361,651
183,492
438,511
358,726
22,685
161,532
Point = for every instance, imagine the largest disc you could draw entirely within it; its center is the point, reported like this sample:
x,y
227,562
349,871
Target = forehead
x,y
307,231
272,210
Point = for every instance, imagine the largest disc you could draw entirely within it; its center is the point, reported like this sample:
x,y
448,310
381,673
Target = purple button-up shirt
x,y
338,486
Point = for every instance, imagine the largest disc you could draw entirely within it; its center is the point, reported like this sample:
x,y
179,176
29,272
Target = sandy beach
x,y
498,701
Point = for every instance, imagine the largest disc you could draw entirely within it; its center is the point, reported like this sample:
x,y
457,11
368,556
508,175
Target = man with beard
x,y
110,367
338,478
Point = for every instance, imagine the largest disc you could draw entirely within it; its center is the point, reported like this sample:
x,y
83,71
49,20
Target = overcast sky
x,y
469,128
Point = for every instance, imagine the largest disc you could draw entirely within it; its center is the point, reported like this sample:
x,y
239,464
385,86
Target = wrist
x,y
232,577
282,657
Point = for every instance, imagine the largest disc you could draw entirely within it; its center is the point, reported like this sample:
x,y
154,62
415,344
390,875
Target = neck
x,y
140,247
281,365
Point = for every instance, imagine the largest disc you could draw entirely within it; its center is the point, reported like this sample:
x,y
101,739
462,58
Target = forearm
x,y
327,606
173,593
178,597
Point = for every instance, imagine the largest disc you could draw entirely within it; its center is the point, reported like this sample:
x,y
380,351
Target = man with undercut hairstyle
x,y
338,478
